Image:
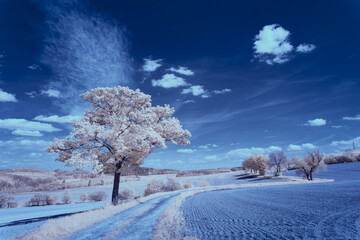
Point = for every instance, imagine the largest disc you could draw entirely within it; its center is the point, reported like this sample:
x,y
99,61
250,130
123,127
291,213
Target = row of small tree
x,y
278,162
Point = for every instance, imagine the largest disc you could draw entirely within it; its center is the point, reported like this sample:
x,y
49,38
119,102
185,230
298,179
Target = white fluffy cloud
x,y
305,48
169,81
305,146
208,147
308,146
51,93
7,97
272,44
26,133
151,65
245,152
196,90
56,118
23,124
225,90
34,67
346,144
15,144
31,94
186,150
211,158
182,70
356,118
316,122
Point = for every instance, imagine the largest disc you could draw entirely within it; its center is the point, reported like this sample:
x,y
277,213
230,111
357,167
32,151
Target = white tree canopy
x,y
120,131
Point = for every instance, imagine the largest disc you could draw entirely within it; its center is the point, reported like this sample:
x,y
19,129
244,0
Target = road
x,y
134,223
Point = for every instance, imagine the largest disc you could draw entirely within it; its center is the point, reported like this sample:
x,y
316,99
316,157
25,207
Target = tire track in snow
x,y
134,223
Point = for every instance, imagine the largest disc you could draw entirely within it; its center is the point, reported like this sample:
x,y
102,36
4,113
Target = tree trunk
x,y
115,192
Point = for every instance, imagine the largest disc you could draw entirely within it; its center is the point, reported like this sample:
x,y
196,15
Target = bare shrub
x,y
83,197
204,184
309,165
279,161
330,160
234,169
154,186
66,197
5,186
37,200
188,185
126,194
51,199
97,196
345,159
7,201
172,184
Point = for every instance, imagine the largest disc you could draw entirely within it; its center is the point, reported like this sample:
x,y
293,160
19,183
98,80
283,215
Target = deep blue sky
x,y
255,76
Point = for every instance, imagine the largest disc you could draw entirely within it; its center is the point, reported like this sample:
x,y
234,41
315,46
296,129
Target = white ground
x,y
138,219
316,211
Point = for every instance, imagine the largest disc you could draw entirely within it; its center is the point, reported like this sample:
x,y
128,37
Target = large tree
x,y
257,163
120,130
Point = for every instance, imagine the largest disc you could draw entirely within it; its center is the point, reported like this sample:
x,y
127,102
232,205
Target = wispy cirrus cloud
x,y
7,97
84,50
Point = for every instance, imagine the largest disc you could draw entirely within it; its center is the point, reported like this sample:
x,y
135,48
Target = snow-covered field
x,y
308,211
8,216
136,217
